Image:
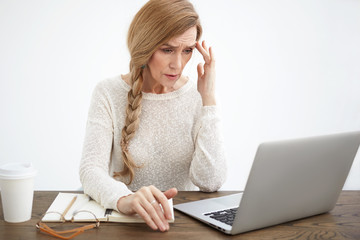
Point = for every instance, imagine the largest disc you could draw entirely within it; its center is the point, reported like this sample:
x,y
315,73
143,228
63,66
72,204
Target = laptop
x,y
289,180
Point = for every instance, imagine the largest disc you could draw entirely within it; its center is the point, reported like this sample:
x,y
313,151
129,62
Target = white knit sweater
x,y
178,143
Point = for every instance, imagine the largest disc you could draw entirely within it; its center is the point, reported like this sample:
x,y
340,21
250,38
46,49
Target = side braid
x,y
132,121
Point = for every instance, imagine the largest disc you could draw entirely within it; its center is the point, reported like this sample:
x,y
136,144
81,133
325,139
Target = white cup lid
x,y
17,171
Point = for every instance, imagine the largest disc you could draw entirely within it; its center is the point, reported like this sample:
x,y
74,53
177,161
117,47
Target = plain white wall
x,y
285,69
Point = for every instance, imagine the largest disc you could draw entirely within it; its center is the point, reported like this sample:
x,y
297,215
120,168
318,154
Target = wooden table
x,y
343,222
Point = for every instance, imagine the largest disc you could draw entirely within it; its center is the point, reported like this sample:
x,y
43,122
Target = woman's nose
x,y
176,61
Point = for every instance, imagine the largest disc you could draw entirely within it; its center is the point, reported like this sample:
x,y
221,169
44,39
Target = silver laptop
x,y
288,180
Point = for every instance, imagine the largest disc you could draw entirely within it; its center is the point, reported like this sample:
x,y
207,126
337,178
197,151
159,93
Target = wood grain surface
x,y
343,222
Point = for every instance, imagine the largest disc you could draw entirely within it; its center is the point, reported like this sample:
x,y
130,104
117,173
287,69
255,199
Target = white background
x,y
285,69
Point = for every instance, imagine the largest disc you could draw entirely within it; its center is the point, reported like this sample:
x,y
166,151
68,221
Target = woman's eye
x,y
166,50
188,51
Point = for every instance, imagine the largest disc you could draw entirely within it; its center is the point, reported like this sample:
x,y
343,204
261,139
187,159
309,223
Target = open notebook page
x,y
84,202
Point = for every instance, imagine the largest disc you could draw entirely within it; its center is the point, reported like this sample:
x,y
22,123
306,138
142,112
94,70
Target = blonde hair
x,y
155,24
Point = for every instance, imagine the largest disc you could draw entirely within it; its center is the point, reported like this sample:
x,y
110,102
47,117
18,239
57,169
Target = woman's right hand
x,y
146,202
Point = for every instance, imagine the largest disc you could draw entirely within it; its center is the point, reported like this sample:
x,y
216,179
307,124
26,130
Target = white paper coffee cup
x,y
17,191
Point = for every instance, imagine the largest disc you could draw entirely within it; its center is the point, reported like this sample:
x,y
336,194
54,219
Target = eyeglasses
x,y
73,232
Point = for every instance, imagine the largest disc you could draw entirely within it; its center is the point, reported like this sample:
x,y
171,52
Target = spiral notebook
x,y
70,203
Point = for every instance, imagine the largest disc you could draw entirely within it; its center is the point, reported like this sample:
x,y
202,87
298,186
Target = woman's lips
x,y
172,77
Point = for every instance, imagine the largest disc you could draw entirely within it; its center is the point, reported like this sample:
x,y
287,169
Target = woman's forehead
x,y
188,38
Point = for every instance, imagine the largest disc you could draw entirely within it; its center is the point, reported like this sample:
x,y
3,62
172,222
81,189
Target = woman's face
x,y
166,65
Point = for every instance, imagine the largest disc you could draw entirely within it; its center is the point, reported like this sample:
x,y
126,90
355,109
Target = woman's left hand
x,y
206,75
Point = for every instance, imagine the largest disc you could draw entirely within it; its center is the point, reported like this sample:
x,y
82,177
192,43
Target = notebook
x,y
84,202
289,180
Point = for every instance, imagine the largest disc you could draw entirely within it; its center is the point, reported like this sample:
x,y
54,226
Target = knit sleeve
x,y
94,166
208,167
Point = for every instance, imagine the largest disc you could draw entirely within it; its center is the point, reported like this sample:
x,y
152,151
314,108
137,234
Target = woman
x,y
152,129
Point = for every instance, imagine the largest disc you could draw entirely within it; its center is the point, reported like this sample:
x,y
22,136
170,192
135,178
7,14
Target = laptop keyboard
x,y
226,216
